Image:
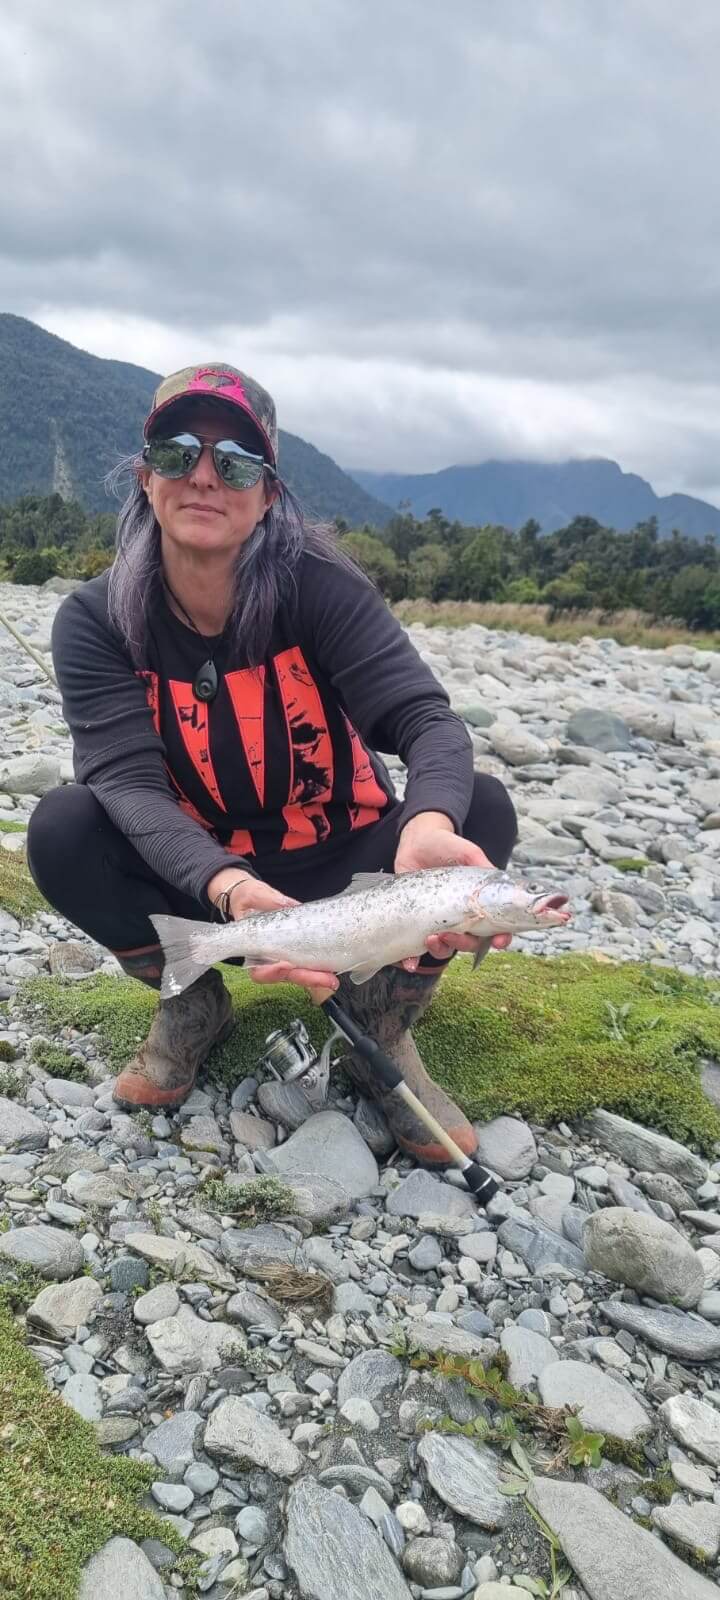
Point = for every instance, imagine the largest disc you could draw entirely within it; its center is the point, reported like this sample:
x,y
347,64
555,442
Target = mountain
x,y
67,417
510,492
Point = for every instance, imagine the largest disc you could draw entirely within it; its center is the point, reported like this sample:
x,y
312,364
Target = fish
x,y
380,918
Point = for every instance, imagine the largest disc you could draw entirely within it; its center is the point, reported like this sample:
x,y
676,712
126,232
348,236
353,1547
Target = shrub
x,y
36,566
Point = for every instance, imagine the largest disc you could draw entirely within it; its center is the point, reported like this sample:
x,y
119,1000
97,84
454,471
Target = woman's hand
x,y
429,840
251,894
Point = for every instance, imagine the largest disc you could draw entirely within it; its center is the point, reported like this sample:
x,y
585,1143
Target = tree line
x,y
580,567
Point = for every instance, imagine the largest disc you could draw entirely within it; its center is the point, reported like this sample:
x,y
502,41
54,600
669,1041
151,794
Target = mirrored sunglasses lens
x,y
172,458
235,466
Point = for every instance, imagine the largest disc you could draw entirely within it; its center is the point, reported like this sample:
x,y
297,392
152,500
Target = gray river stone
x,y
369,1376
63,1307
466,1477
172,1443
613,1558
421,1193
538,1246
238,1433
604,1404
695,1423
250,1250
335,1552
598,730
644,1150
507,1145
49,1251
120,1569
678,1333
528,1355
329,1144
645,1253
19,1129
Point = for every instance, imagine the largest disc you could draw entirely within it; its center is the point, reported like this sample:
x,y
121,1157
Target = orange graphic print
x,y
152,695
246,689
368,798
192,717
311,752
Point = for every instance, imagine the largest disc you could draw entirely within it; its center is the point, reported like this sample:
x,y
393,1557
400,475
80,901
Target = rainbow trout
x,y
379,919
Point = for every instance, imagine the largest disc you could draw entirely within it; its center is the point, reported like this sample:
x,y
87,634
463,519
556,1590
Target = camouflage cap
x,y
225,383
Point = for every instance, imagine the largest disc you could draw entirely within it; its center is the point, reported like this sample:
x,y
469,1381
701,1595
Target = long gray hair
x,y
265,570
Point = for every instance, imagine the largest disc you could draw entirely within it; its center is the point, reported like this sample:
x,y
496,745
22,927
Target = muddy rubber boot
x,y
183,1032
385,1008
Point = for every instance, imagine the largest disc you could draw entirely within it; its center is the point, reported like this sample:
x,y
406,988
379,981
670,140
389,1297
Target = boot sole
x,y
139,1093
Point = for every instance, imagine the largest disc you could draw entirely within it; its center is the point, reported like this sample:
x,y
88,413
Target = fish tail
x,y
189,950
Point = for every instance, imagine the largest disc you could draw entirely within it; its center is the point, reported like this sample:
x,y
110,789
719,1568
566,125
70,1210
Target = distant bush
x,y
90,564
36,566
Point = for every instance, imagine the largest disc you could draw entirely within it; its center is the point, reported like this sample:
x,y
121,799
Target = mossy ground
x,y
526,1034
18,893
61,1498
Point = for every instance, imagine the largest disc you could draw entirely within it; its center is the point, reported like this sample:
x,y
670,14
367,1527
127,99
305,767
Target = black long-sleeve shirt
x,y
285,757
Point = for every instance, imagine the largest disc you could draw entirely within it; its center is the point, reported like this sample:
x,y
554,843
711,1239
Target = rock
x,y
507,1145
608,1552
695,1424
285,1103
63,1307
161,1302
373,1127
251,1250
82,1392
605,1406
19,1129
678,1333
660,1186
466,1477
204,1133
329,1144
120,1569
612,903
537,1246
175,1497
516,745
32,774
598,730
421,1193
356,1480
321,1200
433,1563
236,1432
369,1376
697,1526
644,1150
68,957
98,1189
645,1253
127,1273
426,1255
528,1354
425,1337
64,1092
251,1525
253,1310
335,1552
252,1132
184,1343
172,1443
47,1250
215,1542
116,1430
360,1414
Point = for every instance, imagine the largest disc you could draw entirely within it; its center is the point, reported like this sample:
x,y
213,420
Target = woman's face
x,y
199,512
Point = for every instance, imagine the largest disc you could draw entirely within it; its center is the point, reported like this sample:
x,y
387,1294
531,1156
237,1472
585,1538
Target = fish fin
x,y
361,881
481,953
363,974
182,964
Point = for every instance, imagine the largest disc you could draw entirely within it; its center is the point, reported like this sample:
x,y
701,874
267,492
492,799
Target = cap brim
x,y
234,405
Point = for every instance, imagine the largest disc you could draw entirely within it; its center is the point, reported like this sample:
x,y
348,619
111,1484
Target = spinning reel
x,y
290,1057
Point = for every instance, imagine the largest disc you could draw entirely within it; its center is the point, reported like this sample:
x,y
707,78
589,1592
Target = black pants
x,y
89,872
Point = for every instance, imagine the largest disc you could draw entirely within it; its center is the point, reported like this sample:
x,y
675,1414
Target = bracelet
x,y
222,904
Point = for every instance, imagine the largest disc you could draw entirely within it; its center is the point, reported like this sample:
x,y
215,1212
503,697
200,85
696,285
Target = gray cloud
x,y
439,233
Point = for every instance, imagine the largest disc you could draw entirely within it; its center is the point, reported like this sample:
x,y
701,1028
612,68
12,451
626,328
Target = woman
x,y
227,685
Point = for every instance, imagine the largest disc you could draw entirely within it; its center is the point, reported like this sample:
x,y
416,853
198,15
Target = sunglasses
x,y
176,457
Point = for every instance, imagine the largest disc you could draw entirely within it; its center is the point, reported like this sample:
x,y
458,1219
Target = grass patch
x,y
59,1062
526,1034
626,627
258,1200
13,827
13,1082
61,1499
18,893
630,864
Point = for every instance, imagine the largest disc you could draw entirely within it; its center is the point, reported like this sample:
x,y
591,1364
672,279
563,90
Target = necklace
x,y
206,681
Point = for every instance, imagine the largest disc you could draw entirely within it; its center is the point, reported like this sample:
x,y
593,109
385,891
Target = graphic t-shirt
x,y
284,759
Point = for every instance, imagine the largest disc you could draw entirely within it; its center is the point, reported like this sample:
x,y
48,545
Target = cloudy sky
x,y
437,234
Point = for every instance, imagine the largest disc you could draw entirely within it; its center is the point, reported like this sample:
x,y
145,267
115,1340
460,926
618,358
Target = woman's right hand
x,y
251,894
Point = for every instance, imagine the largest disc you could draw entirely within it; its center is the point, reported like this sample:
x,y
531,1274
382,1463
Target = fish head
x,y
505,905
551,910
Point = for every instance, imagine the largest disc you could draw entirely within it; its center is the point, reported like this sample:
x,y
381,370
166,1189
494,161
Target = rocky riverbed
x,y
298,1446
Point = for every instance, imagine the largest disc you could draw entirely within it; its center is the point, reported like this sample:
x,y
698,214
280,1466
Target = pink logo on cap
x,y
212,378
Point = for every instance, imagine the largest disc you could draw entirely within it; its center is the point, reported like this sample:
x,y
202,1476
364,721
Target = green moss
x,y
13,1082
61,1499
18,893
13,827
524,1034
630,863
60,1063
7,1051
258,1200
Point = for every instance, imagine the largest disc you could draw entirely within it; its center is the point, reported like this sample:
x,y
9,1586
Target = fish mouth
x,y
553,908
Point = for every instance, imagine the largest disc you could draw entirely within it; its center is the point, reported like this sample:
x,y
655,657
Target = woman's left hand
x,y
429,840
